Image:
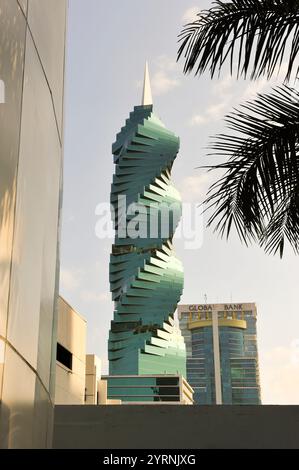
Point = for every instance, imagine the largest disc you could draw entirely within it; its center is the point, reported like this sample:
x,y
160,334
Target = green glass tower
x,y
146,278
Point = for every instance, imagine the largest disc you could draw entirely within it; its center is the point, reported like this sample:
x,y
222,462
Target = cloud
x,y
214,112
263,85
164,75
190,15
194,188
162,83
164,78
163,62
70,278
198,120
227,94
223,86
280,375
222,90
226,97
253,88
91,296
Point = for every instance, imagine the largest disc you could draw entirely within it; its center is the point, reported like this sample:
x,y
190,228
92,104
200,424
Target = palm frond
x,y
250,34
284,224
259,191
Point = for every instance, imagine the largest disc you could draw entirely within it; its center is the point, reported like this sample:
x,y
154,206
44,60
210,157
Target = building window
x,y
64,356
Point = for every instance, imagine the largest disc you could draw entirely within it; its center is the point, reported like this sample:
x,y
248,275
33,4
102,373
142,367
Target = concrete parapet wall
x,y
176,427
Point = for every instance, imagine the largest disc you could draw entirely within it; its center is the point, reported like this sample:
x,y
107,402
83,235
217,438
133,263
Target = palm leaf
x,y
250,34
259,191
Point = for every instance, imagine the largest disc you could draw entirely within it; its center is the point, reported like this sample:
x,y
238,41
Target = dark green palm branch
x,y
259,191
254,35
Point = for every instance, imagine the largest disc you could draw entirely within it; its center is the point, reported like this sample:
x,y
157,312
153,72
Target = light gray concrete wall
x,y
176,427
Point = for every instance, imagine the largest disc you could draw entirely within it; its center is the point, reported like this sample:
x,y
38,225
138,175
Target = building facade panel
x,y
49,37
23,4
18,402
30,199
35,234
12,26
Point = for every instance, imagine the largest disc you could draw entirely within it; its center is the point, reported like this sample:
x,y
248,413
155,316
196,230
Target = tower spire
x,y
147,92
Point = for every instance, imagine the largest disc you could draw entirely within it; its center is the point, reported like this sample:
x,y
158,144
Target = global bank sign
x,y
211,307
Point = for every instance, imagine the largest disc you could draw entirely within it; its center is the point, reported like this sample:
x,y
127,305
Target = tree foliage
x,y
254,36
259,192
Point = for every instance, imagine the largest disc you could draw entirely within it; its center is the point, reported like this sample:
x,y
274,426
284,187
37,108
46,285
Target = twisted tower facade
x,y
146,279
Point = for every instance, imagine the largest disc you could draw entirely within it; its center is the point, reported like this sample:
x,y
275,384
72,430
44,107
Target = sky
x,y
108,43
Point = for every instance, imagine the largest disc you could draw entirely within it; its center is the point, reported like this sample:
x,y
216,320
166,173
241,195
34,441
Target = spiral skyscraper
x,y
146,278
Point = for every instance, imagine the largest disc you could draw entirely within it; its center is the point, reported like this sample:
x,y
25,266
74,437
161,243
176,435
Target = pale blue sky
x,y
108,43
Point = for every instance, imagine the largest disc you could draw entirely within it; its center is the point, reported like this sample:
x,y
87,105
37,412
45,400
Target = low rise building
x,y
147,389
93,377
71,356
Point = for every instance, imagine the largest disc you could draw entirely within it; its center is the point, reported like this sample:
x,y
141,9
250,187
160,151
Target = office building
x,y
70,356
222,356
146,278
78,375
149,389
92,379
32,50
